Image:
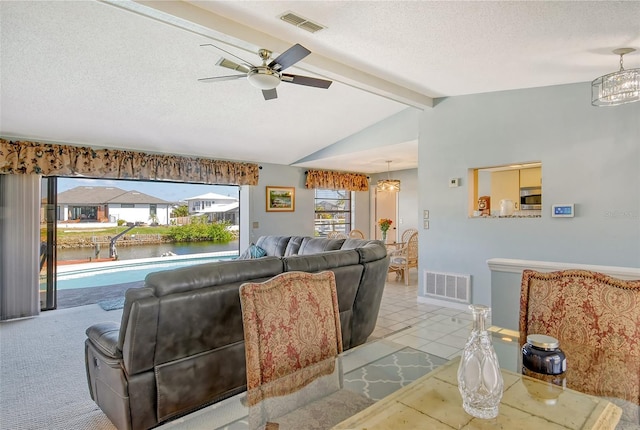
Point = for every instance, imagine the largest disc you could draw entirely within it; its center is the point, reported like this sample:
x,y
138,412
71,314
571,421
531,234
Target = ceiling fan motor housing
x,y
264,78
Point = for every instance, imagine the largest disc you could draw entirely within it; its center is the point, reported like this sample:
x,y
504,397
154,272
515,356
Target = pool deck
x,y
69,298
88,296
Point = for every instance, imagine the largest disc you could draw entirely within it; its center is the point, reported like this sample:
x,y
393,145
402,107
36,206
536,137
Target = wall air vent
x,y
301,22
450,286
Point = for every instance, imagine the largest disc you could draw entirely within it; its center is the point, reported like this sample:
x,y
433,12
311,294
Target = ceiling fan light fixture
x,y
263,78
617,88
388,185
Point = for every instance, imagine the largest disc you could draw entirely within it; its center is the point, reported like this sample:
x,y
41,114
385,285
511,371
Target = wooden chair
x,y
336,235
407,234
596,318
404,258
292,341
356,234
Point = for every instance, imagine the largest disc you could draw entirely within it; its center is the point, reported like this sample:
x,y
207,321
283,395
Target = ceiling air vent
x,y
301,22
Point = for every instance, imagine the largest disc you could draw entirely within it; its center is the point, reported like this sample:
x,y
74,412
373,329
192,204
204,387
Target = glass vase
x,y
384,236
479,378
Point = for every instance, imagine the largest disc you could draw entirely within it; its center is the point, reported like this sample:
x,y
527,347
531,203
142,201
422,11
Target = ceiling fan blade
x,y
222,78
227,52
270,94
223,62
289,57
306,80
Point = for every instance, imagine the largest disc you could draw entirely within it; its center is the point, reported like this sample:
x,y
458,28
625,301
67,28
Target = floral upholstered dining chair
x,y
596,318
293,340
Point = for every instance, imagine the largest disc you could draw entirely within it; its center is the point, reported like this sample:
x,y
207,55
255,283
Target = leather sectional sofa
x,y
180,343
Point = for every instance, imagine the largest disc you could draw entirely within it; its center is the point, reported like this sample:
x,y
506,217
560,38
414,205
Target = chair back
x,y
337,235
356,234
406,235
596,318
412,249
291,322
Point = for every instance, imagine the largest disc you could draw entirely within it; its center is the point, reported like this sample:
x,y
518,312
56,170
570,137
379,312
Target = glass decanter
x,y
479,378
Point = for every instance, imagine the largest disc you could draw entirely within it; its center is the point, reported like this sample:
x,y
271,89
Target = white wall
x,y
590,157
140,213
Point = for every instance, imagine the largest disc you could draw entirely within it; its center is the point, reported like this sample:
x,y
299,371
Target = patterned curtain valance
x,y
23,157
337,180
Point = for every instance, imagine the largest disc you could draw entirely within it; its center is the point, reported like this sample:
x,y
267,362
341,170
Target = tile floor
x,y
402,319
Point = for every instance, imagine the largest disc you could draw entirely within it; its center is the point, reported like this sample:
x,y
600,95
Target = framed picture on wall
x,y
281,199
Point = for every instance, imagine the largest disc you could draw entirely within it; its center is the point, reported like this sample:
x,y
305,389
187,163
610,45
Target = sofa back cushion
x,y
192,278
315,245
275,246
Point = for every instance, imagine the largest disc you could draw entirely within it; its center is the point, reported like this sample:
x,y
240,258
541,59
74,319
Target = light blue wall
x,y
297,223
590,157
399,128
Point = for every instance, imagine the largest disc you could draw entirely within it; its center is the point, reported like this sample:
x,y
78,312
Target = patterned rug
x,y
374,380
388,374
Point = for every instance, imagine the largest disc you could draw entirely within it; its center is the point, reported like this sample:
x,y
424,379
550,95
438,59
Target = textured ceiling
x,y
124,74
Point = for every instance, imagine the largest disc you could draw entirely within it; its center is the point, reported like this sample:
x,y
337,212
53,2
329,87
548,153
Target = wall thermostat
x,y
454,182
563,211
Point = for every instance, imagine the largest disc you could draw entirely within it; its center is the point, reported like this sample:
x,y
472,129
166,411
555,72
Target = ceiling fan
x,y
268,76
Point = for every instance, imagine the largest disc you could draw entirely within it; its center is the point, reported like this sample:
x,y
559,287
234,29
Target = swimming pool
x,y
119,272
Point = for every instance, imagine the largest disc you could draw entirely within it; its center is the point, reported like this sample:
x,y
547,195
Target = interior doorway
x,y
386,207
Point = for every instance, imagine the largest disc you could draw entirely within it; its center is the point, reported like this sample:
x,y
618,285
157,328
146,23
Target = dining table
x,y
321,397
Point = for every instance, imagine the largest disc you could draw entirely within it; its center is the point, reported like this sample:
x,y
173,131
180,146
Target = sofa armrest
x,y
105,337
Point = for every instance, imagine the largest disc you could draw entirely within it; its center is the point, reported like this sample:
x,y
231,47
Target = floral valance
x,y
337,180
21,157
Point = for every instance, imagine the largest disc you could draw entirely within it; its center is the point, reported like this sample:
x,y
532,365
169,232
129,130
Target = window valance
x,y
22,157
337,180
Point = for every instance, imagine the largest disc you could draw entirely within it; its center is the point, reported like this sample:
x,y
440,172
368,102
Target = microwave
x,y
531,198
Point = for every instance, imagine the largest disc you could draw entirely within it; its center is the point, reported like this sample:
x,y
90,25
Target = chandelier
x,y
617,88
389,185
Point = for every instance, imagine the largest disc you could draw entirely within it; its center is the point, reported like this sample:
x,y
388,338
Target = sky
x,y
173,192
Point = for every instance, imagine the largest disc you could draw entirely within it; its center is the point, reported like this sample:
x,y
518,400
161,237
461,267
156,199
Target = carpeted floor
x,y
43,383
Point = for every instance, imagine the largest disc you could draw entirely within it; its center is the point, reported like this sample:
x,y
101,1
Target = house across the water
x,y
216,206
110,204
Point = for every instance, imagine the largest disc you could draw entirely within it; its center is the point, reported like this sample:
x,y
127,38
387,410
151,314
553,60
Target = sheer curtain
x,y
19,246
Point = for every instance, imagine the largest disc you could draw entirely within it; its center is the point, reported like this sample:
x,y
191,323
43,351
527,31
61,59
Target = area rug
x,y
374,380
388,374
112,304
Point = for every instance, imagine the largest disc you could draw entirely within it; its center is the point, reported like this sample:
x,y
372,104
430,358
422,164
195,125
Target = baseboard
x,y
443,303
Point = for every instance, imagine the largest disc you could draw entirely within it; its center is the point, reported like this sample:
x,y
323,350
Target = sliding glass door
x,y
48,221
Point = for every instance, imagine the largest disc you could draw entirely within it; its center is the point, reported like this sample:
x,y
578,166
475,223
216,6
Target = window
x,y
332,211
513,190
153,210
